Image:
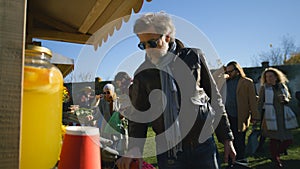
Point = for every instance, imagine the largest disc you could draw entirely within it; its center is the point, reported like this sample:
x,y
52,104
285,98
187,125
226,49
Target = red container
x,y
80,149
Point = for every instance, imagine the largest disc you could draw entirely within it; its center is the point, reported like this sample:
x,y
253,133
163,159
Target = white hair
x,y
160,21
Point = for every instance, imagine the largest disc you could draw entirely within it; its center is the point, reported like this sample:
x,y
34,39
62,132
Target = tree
x,y
279,55
288,47
294,59
274,56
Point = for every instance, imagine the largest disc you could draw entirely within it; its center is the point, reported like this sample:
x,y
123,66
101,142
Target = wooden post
x,y
12,38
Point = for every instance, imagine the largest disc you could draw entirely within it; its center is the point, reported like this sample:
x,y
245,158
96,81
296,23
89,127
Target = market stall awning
x,y
63,63
76,20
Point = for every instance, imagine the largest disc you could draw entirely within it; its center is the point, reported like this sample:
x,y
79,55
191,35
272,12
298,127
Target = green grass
x,y
258,161
150,148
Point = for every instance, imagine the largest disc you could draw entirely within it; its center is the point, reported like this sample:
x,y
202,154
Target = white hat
x,y
110,87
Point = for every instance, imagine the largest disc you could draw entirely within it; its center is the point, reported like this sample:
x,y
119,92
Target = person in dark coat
x,y
173,90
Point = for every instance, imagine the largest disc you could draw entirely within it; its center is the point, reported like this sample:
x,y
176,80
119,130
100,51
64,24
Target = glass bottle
x,y
42,110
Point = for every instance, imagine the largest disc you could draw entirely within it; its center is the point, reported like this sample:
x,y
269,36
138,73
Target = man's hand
x,y
124,162
89,117
229,151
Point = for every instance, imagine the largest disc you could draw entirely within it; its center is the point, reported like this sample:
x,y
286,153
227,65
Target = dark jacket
x,y
147,78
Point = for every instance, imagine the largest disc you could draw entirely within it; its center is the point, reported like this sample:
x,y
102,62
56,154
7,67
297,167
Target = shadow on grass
x,y
288,164
259,160
262,160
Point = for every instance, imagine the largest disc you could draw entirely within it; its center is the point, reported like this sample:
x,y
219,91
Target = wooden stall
x,y
62,20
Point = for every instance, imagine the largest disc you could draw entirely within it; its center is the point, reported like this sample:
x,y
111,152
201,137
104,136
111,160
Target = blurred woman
x,y
273,96
108,104
122,82
108,109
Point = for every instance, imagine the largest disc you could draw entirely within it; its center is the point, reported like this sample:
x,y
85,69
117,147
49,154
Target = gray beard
x,y
156,53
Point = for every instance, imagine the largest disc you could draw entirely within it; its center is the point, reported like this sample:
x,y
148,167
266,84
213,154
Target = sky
x,y
224,30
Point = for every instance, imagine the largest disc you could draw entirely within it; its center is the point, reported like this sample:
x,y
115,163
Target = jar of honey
x,y
42,110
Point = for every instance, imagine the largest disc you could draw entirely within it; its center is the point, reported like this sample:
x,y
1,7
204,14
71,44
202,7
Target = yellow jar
x,y
42,110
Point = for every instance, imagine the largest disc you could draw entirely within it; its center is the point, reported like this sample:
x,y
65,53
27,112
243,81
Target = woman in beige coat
x,y
273,96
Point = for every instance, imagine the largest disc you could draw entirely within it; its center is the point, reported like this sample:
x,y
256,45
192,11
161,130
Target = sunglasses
x,y
106,92
229,71
152,43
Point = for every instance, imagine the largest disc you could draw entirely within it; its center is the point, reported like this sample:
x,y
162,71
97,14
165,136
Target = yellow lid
x,y
38,49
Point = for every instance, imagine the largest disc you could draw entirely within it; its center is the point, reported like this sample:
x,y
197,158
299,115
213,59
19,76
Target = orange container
x,y
42,110
80,149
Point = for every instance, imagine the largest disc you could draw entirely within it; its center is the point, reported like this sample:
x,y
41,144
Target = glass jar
x,y
42,110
